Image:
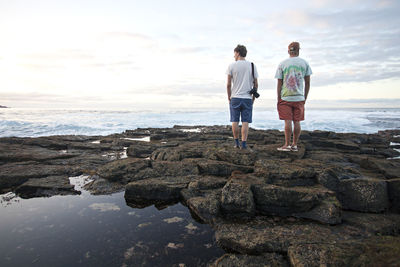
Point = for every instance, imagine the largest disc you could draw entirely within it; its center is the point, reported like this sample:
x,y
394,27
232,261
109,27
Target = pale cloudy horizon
x,y
157,55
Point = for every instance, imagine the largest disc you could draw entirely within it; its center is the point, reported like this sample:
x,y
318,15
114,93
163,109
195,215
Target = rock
x,y
237,198
180,168
268,151
120,169
140,149
190,150
327,211
394,194
285,173
156,189
207,207
267,260
231,155
389,168
367,195
264,235
375,251
102,186
220,168
46,187
377,224
207,182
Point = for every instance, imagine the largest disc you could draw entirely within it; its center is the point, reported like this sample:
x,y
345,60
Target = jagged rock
x,y
180,168
120,169
389,168
266,260
206,207
285,173
264,235
375,251
46,187
191,150
220,168
102,186
156,189
381,224
207,182
367,195
140,150
231,155
394,194
237,198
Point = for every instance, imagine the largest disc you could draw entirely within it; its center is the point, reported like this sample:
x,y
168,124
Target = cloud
x,y
103,207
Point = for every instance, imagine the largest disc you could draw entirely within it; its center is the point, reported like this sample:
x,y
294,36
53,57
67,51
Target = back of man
x,y
293,76
240,82
292,71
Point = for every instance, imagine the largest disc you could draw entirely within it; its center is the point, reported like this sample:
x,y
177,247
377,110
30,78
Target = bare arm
x,y
255,86
307,86
279,88
228,87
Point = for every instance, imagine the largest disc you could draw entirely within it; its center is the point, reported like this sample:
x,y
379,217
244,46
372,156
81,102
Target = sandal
x,y
294,148
284,148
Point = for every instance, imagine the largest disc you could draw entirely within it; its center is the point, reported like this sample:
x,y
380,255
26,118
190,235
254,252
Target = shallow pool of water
x,y
87,230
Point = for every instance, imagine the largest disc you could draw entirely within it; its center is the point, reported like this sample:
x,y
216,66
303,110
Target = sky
x,y
173,54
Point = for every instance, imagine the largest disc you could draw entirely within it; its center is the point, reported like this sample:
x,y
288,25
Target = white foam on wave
x,y
143,139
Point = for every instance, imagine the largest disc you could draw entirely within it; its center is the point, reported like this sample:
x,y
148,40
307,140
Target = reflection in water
x,y
91,230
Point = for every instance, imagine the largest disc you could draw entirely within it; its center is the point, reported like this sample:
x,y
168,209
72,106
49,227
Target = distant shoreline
x,y
3,106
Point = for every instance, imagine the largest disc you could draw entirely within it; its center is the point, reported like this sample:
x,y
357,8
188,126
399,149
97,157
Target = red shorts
x,y
293,111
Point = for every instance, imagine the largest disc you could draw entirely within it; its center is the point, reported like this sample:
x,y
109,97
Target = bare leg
x,y
235,130
296,132
245,130
288,131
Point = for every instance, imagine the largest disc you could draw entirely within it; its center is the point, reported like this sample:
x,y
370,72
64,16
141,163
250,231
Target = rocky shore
x,y
335,202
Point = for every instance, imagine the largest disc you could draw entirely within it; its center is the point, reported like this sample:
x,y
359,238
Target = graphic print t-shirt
x,y
242,79
292,72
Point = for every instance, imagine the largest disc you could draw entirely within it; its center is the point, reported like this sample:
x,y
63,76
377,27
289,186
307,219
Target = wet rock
x,y
181,168
389,168
154,189
375,251
46,187
207,182
394,194
141,150
368,195
237,198
267,260
191,150
220,168
261,236
102,186
379,224
231,155
268,151
206,207
285,173
119,170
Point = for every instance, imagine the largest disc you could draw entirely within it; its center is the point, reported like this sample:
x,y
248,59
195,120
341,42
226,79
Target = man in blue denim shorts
x,y
240,82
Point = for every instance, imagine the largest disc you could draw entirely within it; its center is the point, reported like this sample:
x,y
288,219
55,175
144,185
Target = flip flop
x,y
294,148
284,148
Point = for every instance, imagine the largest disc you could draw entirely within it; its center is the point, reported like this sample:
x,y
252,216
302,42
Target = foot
x,y
284,148
294,148
236,146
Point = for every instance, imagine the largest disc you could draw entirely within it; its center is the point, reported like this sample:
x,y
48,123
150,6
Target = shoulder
x,y
303,60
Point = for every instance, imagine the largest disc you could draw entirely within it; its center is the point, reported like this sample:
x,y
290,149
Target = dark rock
x,y
220,168
235,260
46,187
141,150
207,182
375,251
394,194
367,195
119,170
260,236
231,155
181,168
285,173
102,186
380,224
389,168
237,198
156,189
206,207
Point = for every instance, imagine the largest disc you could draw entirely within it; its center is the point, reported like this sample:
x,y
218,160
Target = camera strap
x,y
252,72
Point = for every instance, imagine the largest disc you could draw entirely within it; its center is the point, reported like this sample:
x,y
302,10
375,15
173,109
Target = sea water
x,y
34,122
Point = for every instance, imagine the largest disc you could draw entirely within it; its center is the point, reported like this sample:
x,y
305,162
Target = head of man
x,y
294,49
240,51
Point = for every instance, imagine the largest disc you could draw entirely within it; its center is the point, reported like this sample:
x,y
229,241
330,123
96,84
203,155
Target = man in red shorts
x,y
293,76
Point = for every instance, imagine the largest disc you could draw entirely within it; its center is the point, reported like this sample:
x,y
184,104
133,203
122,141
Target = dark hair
x,y
241,49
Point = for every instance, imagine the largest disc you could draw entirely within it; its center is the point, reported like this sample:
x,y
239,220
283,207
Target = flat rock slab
x,y
374,251
45,187
260,236
267,260
380,224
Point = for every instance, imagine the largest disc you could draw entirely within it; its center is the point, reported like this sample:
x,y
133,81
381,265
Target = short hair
x,y
241,49
294,47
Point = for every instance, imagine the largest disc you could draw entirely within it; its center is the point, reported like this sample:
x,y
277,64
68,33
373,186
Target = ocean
x,y
35,122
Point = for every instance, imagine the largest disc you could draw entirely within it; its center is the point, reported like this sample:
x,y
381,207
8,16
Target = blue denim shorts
x,y
241,107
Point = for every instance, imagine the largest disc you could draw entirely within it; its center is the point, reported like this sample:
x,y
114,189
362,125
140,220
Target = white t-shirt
x,y
292,72
242,79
